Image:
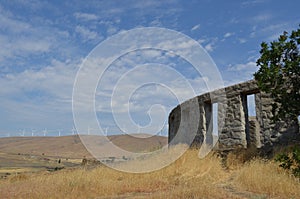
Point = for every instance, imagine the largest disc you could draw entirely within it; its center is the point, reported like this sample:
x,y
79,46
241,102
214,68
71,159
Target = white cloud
x,y
195,27
39,99
209,47
20,38
250,66
39,45
127,77
239,72
137,89
8,23
156,22
234,21
112,30
228,34
55,80
253,2
209,44
262,17
242,40
85,16
86,33
20,44
274,30
23,46
201,41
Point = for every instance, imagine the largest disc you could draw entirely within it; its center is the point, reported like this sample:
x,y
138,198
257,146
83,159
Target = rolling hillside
x,y
72,147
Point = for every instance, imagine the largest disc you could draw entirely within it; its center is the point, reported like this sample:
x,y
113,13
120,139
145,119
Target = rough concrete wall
x,y
193,118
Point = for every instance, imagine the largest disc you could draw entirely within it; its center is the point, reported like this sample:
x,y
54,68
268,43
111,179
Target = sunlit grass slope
x,y
188,177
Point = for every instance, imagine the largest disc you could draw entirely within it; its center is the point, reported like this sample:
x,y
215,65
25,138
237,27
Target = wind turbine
x,y
161,131
32,132
59,133
89,130
73,130
45,132
106,130
139,129
23,133
124,129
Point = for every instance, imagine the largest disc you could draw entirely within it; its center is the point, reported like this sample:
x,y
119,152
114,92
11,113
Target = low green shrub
x,y
290,161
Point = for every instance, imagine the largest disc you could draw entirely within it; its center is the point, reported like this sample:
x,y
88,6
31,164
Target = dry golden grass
x,y
188,177
266,177
65,146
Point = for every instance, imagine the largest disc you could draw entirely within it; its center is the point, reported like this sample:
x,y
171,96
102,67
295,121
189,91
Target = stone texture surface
x,y
192,121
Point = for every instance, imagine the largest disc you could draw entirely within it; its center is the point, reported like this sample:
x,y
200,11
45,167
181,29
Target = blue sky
x,y
43,44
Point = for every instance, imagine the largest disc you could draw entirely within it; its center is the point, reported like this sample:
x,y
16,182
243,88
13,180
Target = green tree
x,y
279,74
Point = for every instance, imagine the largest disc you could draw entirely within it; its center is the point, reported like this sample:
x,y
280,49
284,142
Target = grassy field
x,y
188,177
72,147
35,154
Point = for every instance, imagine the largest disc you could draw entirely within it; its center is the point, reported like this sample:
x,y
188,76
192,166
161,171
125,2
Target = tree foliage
x,y
279,74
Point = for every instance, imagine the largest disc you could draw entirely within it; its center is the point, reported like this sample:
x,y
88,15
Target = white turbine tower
x,y
45,132
59,132
124,129
89,130
139,129
22,133
161,131
106,130
73,130
32,132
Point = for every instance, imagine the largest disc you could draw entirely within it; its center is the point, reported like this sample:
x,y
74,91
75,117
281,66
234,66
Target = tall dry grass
x,y
188,177
266,177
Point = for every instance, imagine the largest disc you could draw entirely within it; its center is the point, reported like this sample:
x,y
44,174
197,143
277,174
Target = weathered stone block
x,y
192,120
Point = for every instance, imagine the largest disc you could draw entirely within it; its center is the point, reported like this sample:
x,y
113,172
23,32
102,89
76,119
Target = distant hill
x,y
72,147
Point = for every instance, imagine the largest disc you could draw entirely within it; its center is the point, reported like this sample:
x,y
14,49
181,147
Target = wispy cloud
x,y
239,72
264,17
210,44
42,44
249,3
209,47
272,31
85,16
228,34
196,27
250,66
39,99
242,40
21,40
87,34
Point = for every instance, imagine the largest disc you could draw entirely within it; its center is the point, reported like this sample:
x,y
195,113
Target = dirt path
x,y
229,187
